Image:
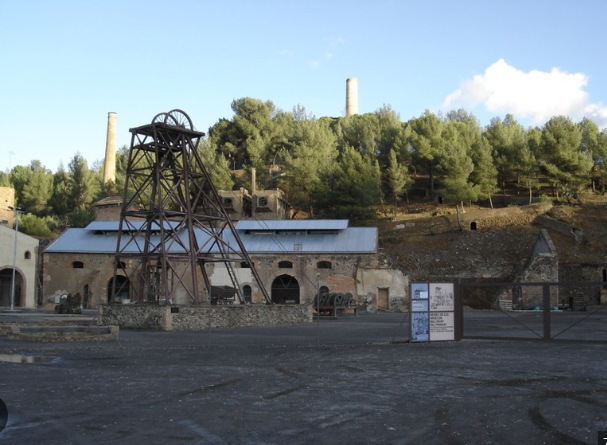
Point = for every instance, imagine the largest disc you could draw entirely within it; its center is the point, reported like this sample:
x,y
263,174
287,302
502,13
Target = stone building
x,y
260,204
7,203
25,268
294,259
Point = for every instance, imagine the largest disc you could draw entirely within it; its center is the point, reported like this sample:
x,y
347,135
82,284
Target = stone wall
x,y
7,200
472,220
196,318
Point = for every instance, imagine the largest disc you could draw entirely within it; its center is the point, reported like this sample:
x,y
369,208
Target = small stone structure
x,y
197,318
259,205
542,267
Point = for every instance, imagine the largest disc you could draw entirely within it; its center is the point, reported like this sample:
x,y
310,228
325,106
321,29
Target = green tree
x,y
426,144
5,180
60,201
455,169
529,170
484,174
45,227
361,132
351,189
565,162
217,166
509,143
33,187
84,187
256,133
393,135
310,160
397,177
593,144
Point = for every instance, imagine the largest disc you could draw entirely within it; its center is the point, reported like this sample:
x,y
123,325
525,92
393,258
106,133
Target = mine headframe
x,y
173,226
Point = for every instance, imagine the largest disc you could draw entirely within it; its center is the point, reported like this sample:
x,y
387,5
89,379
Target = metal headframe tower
x,y
172,221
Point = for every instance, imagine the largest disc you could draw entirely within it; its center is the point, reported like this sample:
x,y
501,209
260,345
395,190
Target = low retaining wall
x,y
196,318
63,333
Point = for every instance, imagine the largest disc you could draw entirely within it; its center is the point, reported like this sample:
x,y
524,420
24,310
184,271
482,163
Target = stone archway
x,y
122,289
6,286
285,290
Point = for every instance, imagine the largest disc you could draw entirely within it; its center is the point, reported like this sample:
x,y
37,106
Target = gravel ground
x,y
350,380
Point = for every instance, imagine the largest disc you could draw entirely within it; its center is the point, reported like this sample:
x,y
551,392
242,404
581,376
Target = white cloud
x,y
535,95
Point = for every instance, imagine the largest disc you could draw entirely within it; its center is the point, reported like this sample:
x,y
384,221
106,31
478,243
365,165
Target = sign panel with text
x,y
432,312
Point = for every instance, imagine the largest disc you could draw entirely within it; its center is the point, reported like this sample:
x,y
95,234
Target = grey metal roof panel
x,y
87,241
293,224
113,226
351,240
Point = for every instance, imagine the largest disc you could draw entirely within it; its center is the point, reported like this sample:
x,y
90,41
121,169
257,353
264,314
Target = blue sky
x,y
65,64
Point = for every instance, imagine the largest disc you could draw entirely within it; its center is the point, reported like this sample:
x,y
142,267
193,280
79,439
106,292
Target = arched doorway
x,y
285,290
121,289
6,286
86,297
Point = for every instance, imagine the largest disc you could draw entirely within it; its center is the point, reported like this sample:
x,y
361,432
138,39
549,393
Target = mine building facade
x,y
295,259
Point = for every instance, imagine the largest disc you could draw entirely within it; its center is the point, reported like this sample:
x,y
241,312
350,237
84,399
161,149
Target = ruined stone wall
x,y
369,281
473,220
7,200
197,318
576,272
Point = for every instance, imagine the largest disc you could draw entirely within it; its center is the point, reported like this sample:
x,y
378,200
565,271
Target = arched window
x,y
118,291
246,293
77,265
324,265
27,255
285,265
285,290
473,225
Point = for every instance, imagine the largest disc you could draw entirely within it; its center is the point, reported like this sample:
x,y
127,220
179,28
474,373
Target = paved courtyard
x,y
350,380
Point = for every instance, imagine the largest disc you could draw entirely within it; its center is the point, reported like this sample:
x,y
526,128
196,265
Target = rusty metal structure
x,y
173,223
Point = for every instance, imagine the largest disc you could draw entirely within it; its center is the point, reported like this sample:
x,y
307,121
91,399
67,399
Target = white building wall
x,y
25,263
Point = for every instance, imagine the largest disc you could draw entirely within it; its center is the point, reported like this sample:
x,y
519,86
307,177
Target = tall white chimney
x,y
351,96
109,167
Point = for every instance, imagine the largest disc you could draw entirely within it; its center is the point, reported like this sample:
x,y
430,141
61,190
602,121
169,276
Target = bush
x,y
44,227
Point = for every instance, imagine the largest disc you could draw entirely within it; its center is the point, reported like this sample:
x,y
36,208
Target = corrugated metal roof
x,y
113,226
87,241
293,224
351,240
348,240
